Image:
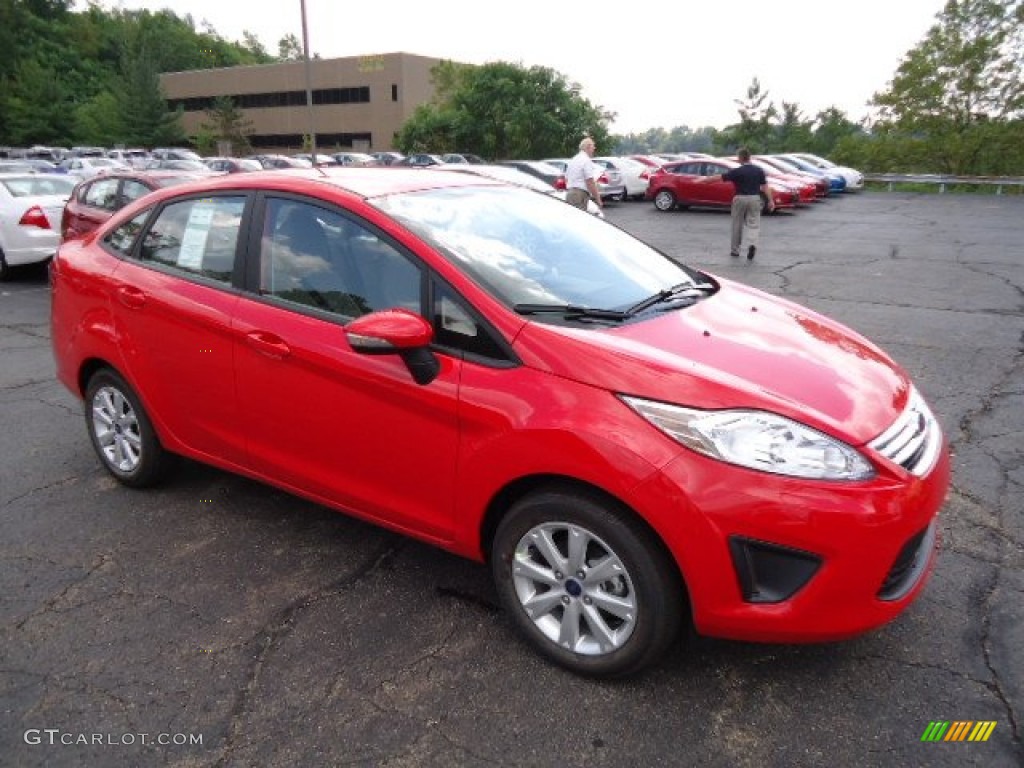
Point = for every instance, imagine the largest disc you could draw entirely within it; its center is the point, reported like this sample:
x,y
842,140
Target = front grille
x,y
909,565
914,440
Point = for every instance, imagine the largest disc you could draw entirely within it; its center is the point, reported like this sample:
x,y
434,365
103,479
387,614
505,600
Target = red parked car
x,y
630,443
96,199
675,186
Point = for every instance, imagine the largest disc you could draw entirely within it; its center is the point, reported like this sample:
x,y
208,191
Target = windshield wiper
x,y
676,292
570,311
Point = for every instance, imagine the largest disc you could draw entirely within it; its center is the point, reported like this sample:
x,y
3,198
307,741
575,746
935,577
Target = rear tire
x,y
5,270
586,583
664,200
121,432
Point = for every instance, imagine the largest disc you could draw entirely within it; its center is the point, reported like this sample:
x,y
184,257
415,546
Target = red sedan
x,y
96,199
675,185
631,444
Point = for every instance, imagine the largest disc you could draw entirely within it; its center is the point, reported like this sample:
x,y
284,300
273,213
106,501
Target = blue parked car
x,y
837,183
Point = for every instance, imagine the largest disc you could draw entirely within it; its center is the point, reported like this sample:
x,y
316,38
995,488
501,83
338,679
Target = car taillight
x,y
560,182
34,217
602,179
644,174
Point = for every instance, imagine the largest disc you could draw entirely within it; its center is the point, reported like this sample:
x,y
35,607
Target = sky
x,y
656,65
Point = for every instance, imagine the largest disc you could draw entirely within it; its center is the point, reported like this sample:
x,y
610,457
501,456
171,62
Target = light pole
x,y
309,82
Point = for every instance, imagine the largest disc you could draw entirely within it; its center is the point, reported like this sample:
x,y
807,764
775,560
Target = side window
x,y
102,194
318,258
196,236
455,327
133,190
122,239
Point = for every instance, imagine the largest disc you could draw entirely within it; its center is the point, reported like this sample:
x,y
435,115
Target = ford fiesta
x,y
633,446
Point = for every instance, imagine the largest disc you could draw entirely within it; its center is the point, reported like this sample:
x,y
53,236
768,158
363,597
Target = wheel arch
x,y
522,487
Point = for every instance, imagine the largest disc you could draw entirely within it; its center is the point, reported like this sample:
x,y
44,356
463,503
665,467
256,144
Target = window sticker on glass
x,y
197,229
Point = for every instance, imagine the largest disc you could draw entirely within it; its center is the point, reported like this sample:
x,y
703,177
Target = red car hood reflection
x,y
738,348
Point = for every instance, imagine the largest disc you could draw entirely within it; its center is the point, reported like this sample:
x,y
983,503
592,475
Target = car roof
x,y
365,182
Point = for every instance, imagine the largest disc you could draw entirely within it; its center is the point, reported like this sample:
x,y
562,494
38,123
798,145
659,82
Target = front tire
x,y
587,584
121,432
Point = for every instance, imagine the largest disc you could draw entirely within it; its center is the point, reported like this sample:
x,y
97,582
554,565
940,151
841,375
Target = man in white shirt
x,y
581,177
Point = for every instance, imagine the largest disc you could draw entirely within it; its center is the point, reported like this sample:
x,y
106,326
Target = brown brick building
x,y
359,102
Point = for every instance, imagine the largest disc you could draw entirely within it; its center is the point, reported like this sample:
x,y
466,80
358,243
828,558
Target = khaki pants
x,y
577,197
746,221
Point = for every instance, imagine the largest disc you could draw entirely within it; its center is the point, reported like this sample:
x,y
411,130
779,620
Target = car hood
x,y
740,348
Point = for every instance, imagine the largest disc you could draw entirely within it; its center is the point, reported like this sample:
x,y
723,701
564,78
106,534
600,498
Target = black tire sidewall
x,y
152,462
659,598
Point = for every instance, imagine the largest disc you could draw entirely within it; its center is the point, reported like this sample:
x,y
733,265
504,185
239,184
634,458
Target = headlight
x,y
757,440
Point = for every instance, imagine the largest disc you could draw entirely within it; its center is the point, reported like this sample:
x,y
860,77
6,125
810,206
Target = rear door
x,y
172,302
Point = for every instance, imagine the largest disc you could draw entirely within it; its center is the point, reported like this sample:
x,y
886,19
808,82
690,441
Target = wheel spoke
x,y
528,569
602,570
604,634
622,607
542,603
549,550
569,631
101,414
578,541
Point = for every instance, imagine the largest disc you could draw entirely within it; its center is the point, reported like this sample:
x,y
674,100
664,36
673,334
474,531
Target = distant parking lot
x,y
217,622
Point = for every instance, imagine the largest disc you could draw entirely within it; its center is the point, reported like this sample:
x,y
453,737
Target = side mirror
x,y
397,332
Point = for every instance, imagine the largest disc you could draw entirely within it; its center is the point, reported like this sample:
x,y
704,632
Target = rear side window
x,y
101,194
197,236
30,186
122,239
133,190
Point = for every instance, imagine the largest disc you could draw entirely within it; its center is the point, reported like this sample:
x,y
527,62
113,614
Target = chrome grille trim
x,y
914,440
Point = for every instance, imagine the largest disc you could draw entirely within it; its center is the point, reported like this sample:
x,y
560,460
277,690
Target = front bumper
x,y
861,552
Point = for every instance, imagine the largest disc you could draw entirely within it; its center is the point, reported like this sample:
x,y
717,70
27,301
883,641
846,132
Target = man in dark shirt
x,y
751,184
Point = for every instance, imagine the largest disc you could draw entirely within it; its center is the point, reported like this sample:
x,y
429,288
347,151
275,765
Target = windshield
x,y
530,248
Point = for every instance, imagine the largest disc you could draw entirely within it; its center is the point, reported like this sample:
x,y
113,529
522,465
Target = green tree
x,y
228,123
289,48
504,110
755,128
98,121
142,107
961,87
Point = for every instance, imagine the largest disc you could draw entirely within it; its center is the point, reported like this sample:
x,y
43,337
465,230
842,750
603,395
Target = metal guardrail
x,y
930,178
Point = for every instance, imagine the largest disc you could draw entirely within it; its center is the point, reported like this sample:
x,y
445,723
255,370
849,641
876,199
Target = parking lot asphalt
x,y
241,626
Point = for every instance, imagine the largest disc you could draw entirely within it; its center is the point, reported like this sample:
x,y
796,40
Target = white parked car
x,y
609,183
136,158
854,178
30,209
87,167
635,175
511,175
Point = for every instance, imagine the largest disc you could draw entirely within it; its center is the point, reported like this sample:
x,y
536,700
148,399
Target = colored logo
x,y
958,730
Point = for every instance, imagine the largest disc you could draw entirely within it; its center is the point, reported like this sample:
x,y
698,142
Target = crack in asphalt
x,y
996,686
52,484
990,405
23,384
35,330
281,625
100,561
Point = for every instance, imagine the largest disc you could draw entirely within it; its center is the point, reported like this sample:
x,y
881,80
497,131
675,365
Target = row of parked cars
x,y
40,195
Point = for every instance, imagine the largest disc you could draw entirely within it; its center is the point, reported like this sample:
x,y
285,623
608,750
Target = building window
x,y
394,92
355,95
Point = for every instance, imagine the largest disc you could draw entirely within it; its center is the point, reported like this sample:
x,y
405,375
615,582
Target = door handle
x,y
132,298
268,344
